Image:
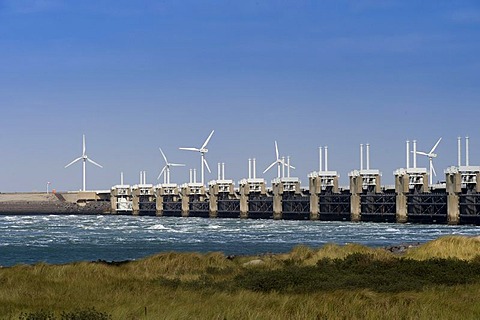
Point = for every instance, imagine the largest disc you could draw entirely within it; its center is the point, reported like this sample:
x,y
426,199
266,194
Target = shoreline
x,y
397,250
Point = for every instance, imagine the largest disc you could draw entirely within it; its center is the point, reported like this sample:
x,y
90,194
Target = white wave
x,y
88,227
11,218
392,230
129,228
158,227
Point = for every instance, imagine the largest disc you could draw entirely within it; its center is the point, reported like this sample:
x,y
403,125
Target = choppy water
x,y
61,239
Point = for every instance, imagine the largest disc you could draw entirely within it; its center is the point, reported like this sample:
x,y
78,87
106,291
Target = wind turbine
x,y
203,149
279,162
166,169
430,156
84,158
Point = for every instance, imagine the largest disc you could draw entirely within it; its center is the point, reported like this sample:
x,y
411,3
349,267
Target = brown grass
x,y
126,291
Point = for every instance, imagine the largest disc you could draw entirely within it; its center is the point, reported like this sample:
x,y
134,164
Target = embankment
x,y
42,203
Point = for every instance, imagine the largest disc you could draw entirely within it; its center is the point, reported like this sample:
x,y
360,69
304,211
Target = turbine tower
x,y
430,156
166,169
279,162
84,158
203,149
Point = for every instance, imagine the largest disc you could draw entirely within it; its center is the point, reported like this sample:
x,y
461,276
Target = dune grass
x,y
440,279
458,247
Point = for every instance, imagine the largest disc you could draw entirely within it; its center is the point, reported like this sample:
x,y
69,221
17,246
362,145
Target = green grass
x,y
440,279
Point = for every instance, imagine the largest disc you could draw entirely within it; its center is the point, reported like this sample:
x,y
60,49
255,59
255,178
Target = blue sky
x,y
138,75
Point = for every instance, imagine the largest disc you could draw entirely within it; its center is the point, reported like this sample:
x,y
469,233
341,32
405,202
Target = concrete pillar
x,y
454,188
314,187
277,200
355,199
136,202
401,215
453,209
401,189
113,202
244,192
213,200
477,186
378,185
355,207
159,202
335,185
185,195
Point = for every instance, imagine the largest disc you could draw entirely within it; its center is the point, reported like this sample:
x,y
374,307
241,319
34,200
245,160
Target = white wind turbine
x,y
166,169
203,149
430,156
279,162
84,158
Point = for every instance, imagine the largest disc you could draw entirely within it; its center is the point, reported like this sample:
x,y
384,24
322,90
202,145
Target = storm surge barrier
x,y
411,199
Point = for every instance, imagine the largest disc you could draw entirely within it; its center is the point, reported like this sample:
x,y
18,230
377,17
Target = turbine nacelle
x,y
84,159
166,169
202,150
431,155
279,161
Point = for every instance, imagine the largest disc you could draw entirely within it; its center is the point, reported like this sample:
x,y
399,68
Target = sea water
x,y
61,239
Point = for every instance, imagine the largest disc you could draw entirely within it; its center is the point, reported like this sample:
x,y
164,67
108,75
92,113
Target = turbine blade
x,y
189,149
68,165
286,164
176,164
276,149
208,139
84,147
93,162
422,153
161,172
163,154
270,166
435,146
206,164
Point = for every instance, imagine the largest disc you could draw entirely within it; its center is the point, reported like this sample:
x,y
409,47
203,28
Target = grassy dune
x,y
440,279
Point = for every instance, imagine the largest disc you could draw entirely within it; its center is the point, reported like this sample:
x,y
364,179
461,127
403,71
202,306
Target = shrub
x,y
37,315
88,314
361,271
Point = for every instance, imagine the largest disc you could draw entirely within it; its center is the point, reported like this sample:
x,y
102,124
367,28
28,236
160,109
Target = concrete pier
x,y
121,199
453,179
277,191
363,182
322,185
284,189
401,190
315,189
219,189
248,188
194,196
143,196
355,200
462,181
410,181
163,191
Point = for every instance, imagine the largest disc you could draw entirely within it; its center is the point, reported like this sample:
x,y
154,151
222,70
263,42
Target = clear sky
x,y
138,75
